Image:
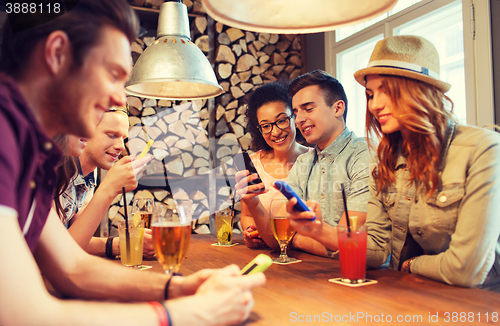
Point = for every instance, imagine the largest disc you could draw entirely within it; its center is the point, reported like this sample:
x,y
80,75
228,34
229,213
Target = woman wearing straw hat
x,y
435,190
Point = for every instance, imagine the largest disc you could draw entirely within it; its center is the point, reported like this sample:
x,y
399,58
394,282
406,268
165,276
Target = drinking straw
x,y
231,191
147,147
345,208
127,234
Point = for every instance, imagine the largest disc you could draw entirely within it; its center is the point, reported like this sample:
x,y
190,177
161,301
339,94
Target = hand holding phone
x,y
258,264
289,194
244,162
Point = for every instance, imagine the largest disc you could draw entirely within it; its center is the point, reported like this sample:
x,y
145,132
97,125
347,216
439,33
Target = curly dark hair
x,y
333,90
267,93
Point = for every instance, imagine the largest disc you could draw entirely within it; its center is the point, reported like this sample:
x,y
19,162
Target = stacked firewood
x,y
242,62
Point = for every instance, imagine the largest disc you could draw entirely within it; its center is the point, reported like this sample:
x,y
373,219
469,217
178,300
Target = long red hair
x,y
420,108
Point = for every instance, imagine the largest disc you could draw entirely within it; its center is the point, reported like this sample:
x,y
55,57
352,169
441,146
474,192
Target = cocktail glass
x,y
352,252
282,230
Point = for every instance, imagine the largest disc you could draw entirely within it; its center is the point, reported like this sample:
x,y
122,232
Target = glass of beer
x,y
143,207
171,228
282,230
352,253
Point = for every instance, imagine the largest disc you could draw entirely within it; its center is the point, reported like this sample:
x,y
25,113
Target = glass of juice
x,y
352,252
131,243
282,230
171,228
224,226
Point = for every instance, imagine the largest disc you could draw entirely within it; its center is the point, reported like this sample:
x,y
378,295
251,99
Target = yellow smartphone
x,y
145,150
258,264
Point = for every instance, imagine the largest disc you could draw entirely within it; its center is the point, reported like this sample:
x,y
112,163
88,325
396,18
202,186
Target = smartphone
x,y
244,162
258,264
289,193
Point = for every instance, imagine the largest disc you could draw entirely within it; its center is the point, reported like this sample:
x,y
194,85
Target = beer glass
x,y
144,207
282,230
171,228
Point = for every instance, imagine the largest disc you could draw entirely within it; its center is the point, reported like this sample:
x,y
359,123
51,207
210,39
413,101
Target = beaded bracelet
x,y
168,314
109,248
161,312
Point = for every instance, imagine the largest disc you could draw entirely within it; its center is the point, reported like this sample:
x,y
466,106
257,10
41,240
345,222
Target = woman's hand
x,y
246,192
252,238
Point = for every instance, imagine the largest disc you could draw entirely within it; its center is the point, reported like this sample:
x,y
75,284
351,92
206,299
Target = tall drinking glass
x,y
131,243
282,230
352,252
144,207
171,229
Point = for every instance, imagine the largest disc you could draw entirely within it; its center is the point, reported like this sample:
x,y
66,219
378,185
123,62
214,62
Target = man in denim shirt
x,y
320,105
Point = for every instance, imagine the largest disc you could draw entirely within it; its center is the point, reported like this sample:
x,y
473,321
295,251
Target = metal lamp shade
x,y
294,16
173,67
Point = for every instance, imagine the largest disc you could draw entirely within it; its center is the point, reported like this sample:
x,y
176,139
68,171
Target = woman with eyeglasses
x,y
274,140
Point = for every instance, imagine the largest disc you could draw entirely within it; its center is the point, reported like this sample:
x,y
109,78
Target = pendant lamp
x,y
173,67
294,16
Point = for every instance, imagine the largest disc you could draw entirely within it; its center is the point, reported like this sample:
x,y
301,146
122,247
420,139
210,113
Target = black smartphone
x,y
243,162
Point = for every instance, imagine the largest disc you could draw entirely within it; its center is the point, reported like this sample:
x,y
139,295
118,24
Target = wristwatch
x,y
408,265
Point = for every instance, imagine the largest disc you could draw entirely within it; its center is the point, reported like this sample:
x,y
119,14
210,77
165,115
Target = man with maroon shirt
x,y
60,76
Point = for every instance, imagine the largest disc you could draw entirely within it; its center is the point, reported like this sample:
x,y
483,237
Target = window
x,y
345,32
348,62
439,21
444,29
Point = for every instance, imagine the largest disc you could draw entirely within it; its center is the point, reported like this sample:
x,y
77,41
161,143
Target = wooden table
x,y
301,294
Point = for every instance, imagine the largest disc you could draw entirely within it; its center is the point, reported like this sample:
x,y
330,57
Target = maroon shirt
x,y
27,162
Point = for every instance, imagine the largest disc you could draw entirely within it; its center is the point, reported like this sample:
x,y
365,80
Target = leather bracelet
x,y
165,293
408,264
109,248
161,312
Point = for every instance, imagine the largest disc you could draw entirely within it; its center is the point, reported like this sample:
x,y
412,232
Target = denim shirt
x,y
458,227
318,174
78,194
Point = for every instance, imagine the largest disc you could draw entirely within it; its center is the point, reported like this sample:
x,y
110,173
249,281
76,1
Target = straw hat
x,y
407,56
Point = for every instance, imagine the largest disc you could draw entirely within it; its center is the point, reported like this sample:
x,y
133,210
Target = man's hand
x,y
181,286
301,221
223,299
120,175
139,165
123,174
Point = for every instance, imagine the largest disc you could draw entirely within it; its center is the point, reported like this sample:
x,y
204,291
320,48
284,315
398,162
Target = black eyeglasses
x,y
281,123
